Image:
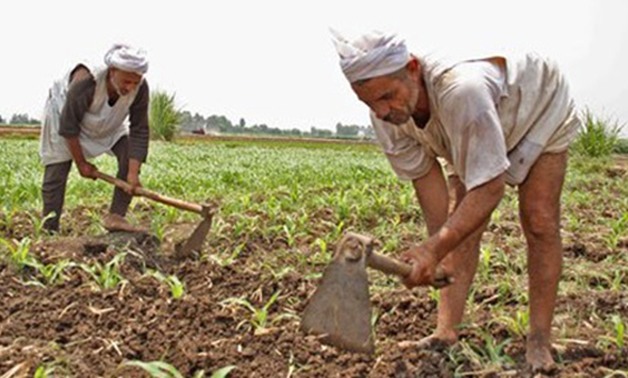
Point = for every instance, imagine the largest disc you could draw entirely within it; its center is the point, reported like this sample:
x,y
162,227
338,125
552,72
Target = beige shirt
x,y
488,116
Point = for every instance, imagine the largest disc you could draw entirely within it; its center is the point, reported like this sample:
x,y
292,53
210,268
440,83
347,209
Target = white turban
x,y
371,55
127,58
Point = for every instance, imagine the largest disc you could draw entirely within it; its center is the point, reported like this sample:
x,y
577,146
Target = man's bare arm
x,y
473,211
431,191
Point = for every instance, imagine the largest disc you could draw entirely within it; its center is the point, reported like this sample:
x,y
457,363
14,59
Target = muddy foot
x,y
539,359
114,222
432,342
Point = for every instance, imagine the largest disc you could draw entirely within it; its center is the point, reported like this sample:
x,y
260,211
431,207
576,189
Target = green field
x,y
282,208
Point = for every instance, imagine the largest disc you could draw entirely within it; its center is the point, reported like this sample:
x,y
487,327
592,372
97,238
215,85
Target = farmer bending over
x,y
85,116
495,121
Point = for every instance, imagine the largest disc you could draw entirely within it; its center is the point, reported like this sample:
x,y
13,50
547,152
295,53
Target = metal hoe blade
x,y
195,242
340,308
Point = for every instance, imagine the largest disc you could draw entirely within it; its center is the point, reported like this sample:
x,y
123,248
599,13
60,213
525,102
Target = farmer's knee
x,y
540,222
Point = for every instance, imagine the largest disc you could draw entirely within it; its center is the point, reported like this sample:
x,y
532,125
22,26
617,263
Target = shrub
x,y
163,116
598,137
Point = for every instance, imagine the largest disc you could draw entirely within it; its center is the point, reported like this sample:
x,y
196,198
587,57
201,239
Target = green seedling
x,y
18,253
619,228
230,259
106,276
8,215
158,227
434,294
278,273
38,223
161,369
222,372
52,273
44,371
177,288
489,356
619,331
259,316
323,255
485,261
518,324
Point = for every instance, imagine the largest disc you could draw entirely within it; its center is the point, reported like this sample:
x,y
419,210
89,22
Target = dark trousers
x,y
56,177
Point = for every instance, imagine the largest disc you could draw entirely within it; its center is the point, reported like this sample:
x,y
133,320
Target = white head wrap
x,y
127,58
371,55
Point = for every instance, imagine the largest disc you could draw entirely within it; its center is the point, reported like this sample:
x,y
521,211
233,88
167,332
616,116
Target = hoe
x,y
339,311
195,241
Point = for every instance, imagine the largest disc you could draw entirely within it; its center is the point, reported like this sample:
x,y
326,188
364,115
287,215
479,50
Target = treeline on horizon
x,y
219,124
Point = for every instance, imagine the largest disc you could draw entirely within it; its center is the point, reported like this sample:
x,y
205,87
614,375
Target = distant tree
x,y
348,130
320,133
2,120
242,123
221,123
369,131
185,121
198,122
19,119
22,119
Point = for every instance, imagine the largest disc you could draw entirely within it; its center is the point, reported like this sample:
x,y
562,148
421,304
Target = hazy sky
x,y
273,62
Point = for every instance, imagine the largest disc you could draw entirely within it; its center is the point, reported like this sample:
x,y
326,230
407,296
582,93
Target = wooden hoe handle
x,y
179,204
387,264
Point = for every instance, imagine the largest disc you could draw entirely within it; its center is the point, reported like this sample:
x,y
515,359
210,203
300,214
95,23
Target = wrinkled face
x,y
123,82
393,97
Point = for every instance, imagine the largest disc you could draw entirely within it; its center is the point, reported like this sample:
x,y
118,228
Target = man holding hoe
x,y
495,121
85,116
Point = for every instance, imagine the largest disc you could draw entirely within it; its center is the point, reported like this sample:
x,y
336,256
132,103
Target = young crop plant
x,y
106,276
7,215
223,262
618,279
18,253
44,371
279,272
489,357
177,288
619,228
518,324
618,328
161,369
52,273
38,223
259,316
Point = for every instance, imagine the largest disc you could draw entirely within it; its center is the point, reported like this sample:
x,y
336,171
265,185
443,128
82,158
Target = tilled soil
x,y
87,332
